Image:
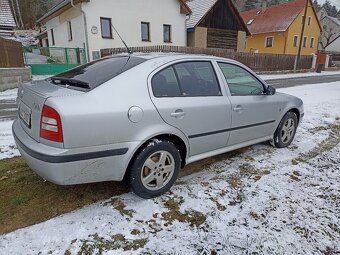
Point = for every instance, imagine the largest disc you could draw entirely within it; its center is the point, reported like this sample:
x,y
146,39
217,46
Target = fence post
x,y
66,56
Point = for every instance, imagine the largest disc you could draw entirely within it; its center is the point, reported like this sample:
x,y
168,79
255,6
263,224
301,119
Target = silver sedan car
x,y
144,117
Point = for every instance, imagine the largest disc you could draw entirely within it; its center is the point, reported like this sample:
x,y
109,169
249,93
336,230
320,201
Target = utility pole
x,y
297,59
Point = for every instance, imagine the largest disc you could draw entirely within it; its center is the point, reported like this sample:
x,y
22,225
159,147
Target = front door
x,y
188,96
253,112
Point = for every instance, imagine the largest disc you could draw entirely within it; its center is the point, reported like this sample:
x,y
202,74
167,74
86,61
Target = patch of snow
x,y
8,149
9,94
40,77
290,209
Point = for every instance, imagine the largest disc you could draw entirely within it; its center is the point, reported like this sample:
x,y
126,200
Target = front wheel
x,y
155,169
286,130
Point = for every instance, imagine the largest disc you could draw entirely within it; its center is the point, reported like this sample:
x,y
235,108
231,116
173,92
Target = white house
x,y
91,24
330,28
334,46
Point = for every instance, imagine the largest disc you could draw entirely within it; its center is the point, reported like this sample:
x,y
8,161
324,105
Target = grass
x,y
192,217
26,199
118,204
98,244
328,144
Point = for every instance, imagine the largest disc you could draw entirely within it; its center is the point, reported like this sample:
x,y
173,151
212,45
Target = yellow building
x,y
277,29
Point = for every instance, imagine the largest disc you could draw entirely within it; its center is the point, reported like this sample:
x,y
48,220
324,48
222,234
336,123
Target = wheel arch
x,y
176,140
297,112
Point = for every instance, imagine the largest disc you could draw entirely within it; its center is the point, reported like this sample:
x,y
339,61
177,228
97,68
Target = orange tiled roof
x,y
275,18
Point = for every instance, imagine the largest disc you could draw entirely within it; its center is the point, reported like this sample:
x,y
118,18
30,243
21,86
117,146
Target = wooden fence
x,y
11,55
256,61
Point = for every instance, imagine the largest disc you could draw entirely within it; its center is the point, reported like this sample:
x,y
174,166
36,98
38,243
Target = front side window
x,y
167,33
105,24
187,79
269,41
145,27
240,82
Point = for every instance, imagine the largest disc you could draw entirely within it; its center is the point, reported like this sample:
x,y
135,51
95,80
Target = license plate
x,y
25,114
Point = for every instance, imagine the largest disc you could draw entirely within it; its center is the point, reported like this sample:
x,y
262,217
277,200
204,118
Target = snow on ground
x,y
9,94
8,148
260,201
297,75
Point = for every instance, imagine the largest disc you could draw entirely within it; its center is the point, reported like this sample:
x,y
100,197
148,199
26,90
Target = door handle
x,y
238,108
178,114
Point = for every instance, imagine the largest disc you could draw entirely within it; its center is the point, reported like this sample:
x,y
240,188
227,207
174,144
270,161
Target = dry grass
x,y
26,199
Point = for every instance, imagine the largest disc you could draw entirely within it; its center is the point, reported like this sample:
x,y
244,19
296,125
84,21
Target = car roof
x,y
171,56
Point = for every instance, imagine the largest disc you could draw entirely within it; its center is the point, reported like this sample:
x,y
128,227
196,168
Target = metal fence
x,y
53,60
256,61
11,54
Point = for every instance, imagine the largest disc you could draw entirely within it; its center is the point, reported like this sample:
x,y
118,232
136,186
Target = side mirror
x,y
270,90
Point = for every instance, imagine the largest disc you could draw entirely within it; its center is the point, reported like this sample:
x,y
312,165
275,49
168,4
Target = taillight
x,y
50,127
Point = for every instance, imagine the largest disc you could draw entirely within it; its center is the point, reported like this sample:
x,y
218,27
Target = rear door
x,y
253,112
189,97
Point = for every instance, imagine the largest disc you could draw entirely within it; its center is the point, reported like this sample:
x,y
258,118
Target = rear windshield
x,y
93,74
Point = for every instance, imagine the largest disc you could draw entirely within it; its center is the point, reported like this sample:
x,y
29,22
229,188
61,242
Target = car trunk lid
x,y
31,99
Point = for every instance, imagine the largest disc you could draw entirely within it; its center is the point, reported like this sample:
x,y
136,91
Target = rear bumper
x,y
73,166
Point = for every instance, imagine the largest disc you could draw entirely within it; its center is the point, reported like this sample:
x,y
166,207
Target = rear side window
x,y
93,74
165,84
187,79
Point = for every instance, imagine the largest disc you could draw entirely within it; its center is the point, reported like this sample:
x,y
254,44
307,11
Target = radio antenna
x,y
127,48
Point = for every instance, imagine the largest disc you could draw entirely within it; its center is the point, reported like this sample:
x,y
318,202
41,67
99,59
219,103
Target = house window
x,y
312,42
309,20
145,27
69,30
269,41
305,41
295,42
52,36
106,28
302,19
167,33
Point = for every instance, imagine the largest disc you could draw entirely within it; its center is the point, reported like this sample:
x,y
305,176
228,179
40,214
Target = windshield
x,y
93,74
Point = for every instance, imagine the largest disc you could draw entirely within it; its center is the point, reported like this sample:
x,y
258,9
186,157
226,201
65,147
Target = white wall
x,y
328,26
334,46
60,31
127,16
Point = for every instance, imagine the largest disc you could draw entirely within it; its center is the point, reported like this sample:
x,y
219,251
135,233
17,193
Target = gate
x,y
53,60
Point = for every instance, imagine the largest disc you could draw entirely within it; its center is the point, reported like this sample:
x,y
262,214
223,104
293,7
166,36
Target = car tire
x,y
155,169
286,130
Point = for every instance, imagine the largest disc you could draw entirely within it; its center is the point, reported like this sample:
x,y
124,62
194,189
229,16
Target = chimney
x,y
264,5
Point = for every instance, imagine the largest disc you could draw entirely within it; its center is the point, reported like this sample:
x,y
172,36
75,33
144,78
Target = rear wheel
x,y
155,169
286,130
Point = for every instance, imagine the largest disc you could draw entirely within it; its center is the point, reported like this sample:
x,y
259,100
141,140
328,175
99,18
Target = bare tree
x,y
326,37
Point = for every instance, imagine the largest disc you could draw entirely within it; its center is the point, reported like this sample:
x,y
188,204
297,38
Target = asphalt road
x,y
8,109
290,82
